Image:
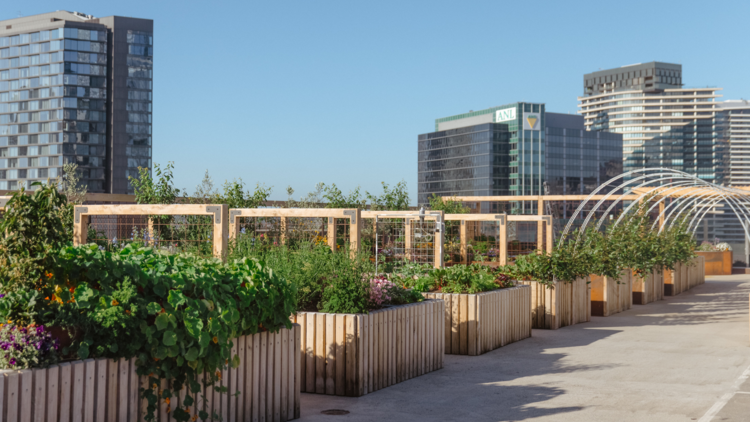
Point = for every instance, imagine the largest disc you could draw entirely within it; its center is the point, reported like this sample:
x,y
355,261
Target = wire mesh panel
x,y
394,242
522,238
169,233
483,242
261,233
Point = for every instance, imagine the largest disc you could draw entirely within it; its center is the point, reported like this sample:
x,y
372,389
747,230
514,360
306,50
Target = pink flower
x,y
379,290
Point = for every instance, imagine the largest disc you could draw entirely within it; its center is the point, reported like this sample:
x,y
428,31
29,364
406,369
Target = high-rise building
x,y
735,121
75,89
515,149
663,124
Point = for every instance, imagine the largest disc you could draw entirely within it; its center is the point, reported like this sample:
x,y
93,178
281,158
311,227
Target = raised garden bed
x,y
357,354
648,288
717,263
684,276
264,387
559,305
610,296
482,322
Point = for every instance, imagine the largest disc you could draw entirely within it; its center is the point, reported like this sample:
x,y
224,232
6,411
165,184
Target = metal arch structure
x,y
690,195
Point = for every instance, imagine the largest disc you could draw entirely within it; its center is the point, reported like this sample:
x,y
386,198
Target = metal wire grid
x,y
483,242
452,243
522,238
264,232
170,233
393,243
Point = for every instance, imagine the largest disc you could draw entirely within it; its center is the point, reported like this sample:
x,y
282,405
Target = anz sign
x,y
505,115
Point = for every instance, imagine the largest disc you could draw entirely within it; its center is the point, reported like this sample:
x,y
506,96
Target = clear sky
x,y
294,93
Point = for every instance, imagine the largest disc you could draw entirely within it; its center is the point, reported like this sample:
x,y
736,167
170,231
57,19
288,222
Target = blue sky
x,y
295,93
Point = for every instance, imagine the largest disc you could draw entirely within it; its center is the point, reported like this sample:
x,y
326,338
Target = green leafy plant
x,y
392,199
177,314
474,278
35,226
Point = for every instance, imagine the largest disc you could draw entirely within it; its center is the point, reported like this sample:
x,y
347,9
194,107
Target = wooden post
x,y
407,238
283,225
331,232
661,214
438,241
548,226
80,228
355,231
503,235
464,243
539,224
221,233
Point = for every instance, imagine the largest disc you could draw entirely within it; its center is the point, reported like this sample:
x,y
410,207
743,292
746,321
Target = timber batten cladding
x,y
478,323
648,287
265,386
560,304
611,295
357,354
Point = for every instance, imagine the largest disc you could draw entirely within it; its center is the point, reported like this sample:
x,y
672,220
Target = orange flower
x,y
115,302
216,340
49,275
127,311
46,298
153,387
218,374
194,418
71,290
166,400
156,359
169,408
162,310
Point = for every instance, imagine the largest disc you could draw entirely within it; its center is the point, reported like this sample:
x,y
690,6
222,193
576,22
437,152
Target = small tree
x,y
395,199
235,195
70,184
448,206
148,191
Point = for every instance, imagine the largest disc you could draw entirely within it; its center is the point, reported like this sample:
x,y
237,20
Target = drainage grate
x,y
335,412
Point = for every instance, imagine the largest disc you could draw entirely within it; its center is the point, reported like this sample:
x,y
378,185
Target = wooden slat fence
x,y
264,387
685,276
478,323
564,304
611,296
357,354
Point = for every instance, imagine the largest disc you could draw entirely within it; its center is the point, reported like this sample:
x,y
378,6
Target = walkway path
x,y
680,359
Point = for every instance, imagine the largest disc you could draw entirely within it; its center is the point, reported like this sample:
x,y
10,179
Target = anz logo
x,y
505,115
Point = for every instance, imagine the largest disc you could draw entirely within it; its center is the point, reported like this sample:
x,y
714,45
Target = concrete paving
x,y
680,359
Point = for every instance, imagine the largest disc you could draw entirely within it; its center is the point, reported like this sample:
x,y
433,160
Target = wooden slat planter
x,y
611,296
264,387
357,354
478,323
649,288
717,263
684,276
560,306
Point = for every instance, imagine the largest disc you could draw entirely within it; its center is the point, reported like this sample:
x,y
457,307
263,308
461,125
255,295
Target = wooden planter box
x,y
264,387
478,323
357,354
684,276
717,263
649,288
561,305
611,296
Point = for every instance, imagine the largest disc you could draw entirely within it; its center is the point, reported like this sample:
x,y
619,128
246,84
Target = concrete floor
x,y
684,358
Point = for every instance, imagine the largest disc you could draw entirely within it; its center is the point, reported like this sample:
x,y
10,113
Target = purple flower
x,y
12,361
2,295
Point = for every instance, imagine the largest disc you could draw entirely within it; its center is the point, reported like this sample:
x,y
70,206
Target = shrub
x,y
35,226
177,314
24,347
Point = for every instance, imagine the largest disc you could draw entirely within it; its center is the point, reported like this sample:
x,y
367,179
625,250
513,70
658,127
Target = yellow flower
x,y
218,374
115,302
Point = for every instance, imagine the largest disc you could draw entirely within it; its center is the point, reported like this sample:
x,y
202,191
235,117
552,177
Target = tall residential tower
x,y
75,89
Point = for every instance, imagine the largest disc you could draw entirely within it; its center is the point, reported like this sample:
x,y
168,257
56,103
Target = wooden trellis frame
x,y
502,219
437,216
353,214
219,212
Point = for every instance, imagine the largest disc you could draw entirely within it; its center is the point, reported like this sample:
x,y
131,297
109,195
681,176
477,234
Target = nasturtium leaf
x,y
236,361
170,338
83,351
173,351
176,298
194,327
205,339
161,352
162,321
192,354
153,308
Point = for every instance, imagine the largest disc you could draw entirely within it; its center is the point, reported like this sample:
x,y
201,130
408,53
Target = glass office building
x,y
75,89
516,149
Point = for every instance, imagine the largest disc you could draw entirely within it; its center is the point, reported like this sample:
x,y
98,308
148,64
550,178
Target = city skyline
x,y
313,73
